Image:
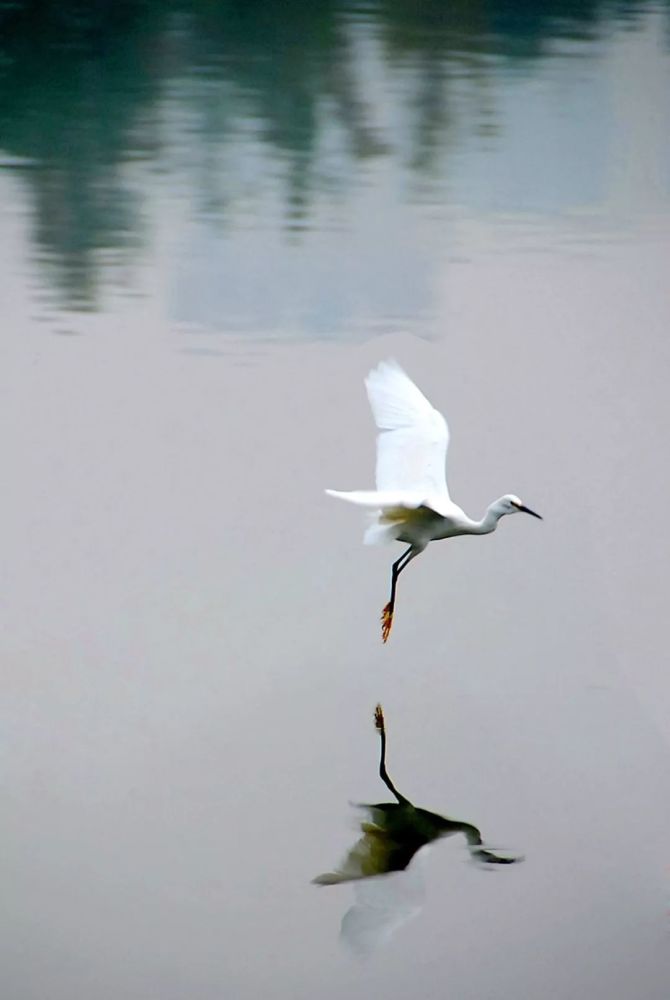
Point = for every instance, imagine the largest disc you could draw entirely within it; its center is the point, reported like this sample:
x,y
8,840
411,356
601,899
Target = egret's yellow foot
x,y
387,621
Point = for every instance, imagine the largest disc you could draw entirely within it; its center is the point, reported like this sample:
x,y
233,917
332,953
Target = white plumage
x,y
411,502
414,437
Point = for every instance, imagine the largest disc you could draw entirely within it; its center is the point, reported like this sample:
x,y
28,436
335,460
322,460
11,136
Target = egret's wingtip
x,y
384,365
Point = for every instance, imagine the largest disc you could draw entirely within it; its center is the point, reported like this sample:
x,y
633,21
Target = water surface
x,y
216,219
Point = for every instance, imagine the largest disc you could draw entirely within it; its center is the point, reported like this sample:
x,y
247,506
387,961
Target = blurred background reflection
x,y
303,169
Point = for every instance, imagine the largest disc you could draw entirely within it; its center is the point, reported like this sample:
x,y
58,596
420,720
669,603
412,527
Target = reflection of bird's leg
x,y
396,570
383,774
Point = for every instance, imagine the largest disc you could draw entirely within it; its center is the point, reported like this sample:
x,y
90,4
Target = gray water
x,y
216,219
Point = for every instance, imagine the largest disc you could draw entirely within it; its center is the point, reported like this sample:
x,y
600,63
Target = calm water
x,y
216,218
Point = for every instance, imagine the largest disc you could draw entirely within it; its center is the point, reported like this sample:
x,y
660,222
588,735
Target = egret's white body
x,y
411,503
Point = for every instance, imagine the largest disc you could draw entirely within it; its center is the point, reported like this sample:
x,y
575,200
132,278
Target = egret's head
x,y
510,504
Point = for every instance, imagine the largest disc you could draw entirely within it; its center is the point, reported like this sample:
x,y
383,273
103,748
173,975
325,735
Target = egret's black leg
x,y
397,568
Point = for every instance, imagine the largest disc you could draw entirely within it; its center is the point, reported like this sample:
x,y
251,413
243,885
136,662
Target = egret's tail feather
x,y
380,534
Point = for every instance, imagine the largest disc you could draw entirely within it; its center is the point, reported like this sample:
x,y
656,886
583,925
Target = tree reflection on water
x,y
87,92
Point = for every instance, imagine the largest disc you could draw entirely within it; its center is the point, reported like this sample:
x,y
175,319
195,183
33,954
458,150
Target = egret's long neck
x,y
489,522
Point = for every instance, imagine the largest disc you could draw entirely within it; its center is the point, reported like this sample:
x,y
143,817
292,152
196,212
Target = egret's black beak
x,y
527,510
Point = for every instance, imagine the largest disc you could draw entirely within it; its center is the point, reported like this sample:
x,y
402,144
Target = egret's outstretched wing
x,y
376,853
383,905
414,437
392,834
378,500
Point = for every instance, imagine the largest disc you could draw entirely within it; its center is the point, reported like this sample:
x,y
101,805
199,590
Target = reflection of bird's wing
x,y
382,906
374,854
414,437
384,847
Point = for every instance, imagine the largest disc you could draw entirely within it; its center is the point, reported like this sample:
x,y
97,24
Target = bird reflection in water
x,y
387,895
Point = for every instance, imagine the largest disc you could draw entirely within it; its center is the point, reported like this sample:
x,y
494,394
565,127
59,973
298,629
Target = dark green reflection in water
x,y
393,832
83,87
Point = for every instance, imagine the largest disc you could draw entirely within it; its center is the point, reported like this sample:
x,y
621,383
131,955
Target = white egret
x,y
411,503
